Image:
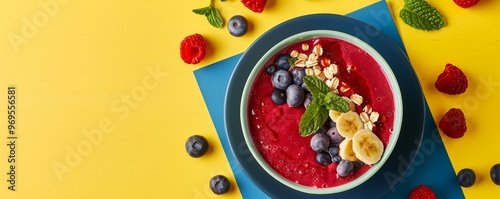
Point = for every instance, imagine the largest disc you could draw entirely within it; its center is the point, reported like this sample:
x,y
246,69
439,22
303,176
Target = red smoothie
x,y
275,128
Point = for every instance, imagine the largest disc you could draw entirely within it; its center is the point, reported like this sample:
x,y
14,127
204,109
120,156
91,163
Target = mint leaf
x,y
212,14
223,0
333,102
203,11
421,15
315,85
292,61
314,117
214,18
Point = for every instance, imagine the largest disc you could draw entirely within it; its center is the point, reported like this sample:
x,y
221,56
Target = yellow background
x,y
82,59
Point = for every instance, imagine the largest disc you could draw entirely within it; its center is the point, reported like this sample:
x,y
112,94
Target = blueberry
x,y
320,142
271,69
308,99
321,130
357,165
237,25
294,95
303,85
323,158
219,184
336,159
282,61
282,79
344,168
335,137
495,174
333,151
196,146
331,123
298,75
466,177
278,96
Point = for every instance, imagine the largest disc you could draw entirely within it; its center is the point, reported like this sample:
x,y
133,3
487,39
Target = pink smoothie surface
x,y
275,128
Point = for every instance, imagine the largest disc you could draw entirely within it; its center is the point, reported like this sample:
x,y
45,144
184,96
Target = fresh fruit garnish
x,y
196,146
344,168
421,15
451,81
255,5
357,165
367,146
282,61
282,79
320,142
237,25
271,69
453,123
193,49
346,152
466,3
466,177
422,192
212,14
335,137
278,96
294,95
348,124
219,184
495,174
323,158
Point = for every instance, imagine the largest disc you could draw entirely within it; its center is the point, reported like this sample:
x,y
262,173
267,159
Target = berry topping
x,y
278,96
193,49
452,81
466,177
219,184
453,123
237,26
282,79
255,5
344,168
422,192
466,3
196,146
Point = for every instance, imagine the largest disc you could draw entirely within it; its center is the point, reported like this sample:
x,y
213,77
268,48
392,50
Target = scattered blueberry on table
x,y
196,146
219,184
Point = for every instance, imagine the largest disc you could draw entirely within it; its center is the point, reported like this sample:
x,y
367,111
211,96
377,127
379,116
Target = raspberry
x,y
451,81
453,123
193,49
466,3
255,5
422,192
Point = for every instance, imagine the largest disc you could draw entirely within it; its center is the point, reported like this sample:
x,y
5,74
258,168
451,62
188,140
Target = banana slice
x,y
334,115
346,152
367,146
348,124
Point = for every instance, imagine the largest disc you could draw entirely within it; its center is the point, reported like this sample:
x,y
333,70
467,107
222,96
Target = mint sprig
x,y
323,100
421,15
292,61
212,14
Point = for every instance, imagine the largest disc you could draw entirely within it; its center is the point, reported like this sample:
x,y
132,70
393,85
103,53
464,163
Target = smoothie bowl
x,y
321,112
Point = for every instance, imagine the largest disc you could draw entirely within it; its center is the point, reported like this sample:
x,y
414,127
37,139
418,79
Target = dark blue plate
x,y
413,106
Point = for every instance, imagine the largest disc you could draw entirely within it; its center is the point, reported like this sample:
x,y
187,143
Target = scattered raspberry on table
x,y
451,81
453,123
193,49
422,192
466,3
255,5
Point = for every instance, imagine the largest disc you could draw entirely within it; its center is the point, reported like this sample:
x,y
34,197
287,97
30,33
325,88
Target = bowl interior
x,y
398,105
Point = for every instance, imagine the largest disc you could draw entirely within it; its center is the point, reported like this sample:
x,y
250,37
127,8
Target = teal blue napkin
x,y
431,166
